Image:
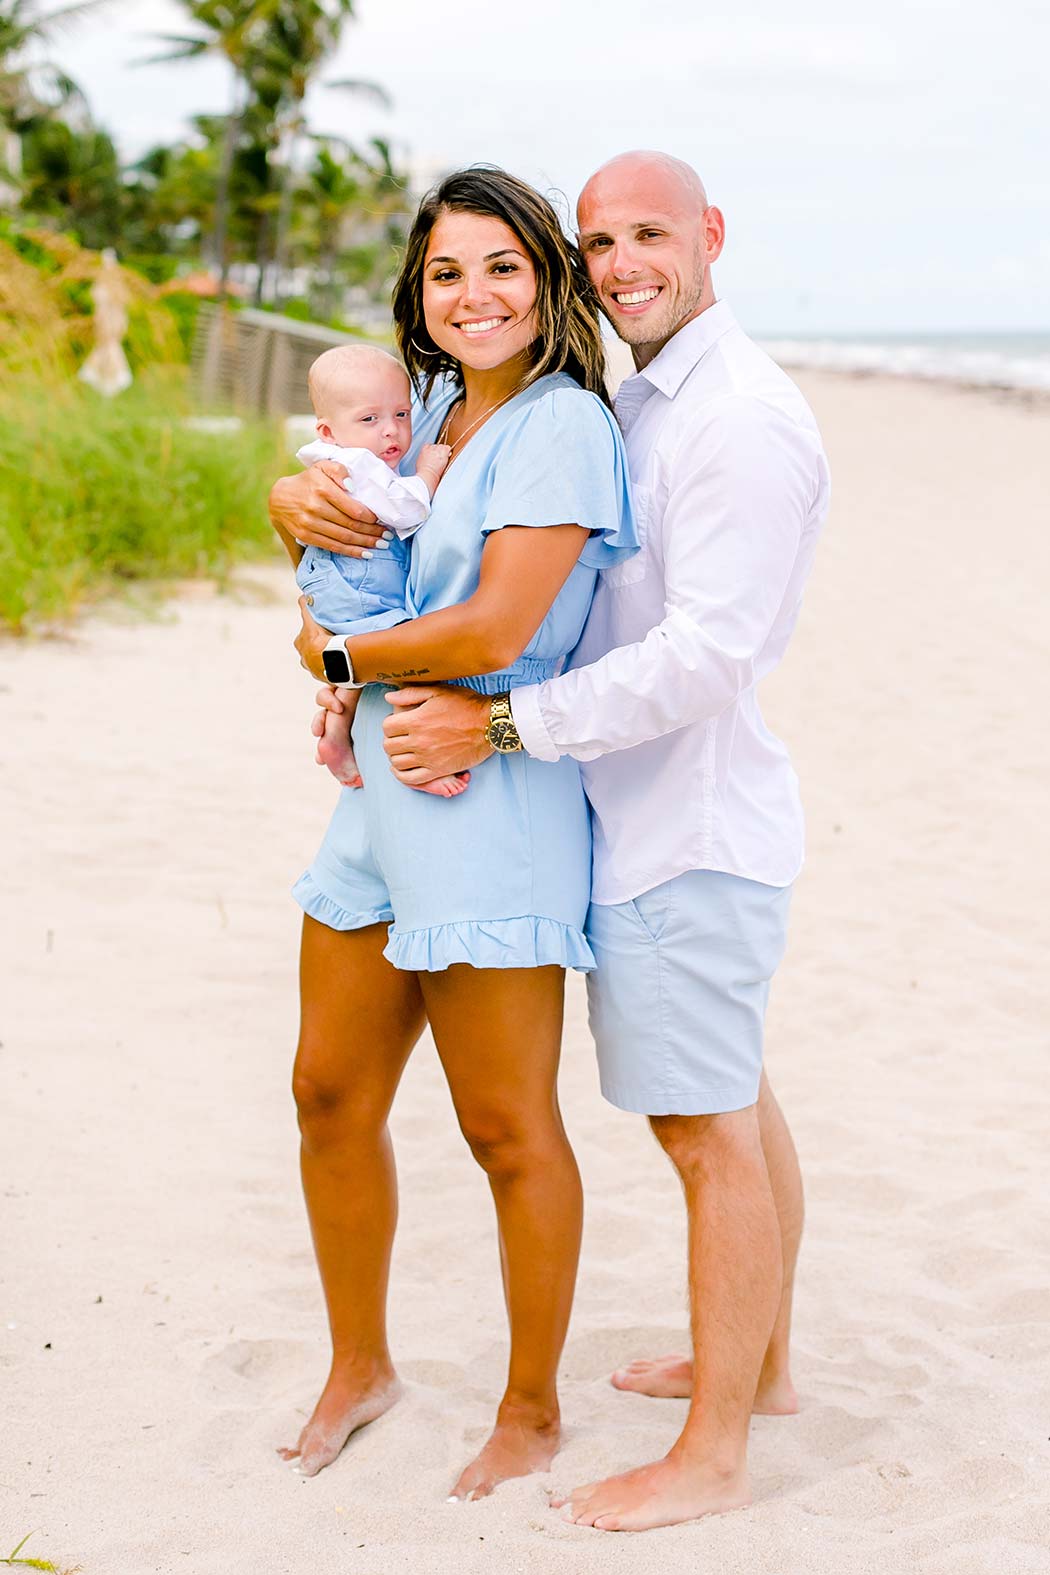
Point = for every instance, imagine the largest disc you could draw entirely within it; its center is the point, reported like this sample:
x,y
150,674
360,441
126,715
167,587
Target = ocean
x,y
1013,361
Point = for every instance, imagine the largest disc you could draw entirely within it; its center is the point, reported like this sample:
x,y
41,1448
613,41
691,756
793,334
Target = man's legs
x,y
671,1377
677,1007
735,1280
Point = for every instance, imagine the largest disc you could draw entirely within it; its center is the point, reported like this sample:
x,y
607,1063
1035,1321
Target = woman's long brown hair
x,y
568,337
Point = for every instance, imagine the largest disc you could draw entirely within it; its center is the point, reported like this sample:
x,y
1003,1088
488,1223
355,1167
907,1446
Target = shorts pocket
x,y
384,579
653,910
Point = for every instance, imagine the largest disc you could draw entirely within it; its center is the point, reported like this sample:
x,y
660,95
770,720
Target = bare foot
x,y
663,1494
447,787
671,1378
348,1401
663,1377
520,1443
334,751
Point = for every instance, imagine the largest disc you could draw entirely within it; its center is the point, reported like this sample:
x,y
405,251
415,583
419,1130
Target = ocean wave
x,y
986,367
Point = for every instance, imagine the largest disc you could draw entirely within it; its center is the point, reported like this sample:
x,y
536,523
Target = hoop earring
x,y
420,351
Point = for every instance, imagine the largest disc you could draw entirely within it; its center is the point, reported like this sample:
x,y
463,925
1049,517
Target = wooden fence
x,y
257,361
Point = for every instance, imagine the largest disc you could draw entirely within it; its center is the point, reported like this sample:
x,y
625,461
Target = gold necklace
x,y
485,413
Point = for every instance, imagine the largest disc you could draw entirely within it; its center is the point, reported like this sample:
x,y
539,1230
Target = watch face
x,y
336,666
503,735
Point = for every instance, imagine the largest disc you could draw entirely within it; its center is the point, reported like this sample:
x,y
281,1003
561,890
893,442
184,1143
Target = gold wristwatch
x,y
501,733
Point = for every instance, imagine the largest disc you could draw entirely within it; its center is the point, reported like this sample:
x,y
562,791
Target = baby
x,y
361,398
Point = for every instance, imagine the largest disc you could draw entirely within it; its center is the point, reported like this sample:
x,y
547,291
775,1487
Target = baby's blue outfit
x,y
498,877
359,595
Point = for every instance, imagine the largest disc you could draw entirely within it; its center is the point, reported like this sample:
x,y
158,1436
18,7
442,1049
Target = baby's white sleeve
x,y
401,503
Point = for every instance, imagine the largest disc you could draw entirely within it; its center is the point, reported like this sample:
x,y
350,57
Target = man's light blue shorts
x,y
677,1001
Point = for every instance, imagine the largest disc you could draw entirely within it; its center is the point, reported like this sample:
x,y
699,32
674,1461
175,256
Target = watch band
x,y
501,733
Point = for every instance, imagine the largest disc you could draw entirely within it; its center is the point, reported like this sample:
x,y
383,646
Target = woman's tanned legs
x,y
360,1020
498,1033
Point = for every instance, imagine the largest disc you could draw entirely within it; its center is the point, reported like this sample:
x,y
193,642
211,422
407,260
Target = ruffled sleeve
x,y
562,462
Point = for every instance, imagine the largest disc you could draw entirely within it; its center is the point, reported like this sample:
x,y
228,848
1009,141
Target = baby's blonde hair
x,y
332,376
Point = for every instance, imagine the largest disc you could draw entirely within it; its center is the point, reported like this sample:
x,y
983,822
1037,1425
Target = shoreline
x,y
1037,399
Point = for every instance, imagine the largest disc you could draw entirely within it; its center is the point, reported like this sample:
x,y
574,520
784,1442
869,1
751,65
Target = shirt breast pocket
x,y
632,570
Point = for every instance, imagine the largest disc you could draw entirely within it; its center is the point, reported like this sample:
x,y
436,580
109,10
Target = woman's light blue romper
x,y
500,876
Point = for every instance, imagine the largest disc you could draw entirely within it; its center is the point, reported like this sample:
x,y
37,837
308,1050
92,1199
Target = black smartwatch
x,y
338,668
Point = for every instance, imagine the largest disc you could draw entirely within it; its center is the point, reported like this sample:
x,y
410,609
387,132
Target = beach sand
x,y
161,1328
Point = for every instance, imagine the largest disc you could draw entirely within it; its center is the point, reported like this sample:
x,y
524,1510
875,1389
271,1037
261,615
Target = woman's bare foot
x,y
522,1441
447,787
351,1398
663,1494
671,1378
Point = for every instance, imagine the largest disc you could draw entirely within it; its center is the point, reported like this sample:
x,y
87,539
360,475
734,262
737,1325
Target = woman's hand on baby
x,y
314,507
311,641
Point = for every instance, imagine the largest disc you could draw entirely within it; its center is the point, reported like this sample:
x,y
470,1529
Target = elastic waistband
x,y
527,670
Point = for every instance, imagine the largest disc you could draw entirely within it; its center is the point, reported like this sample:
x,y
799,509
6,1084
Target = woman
x,y
484,896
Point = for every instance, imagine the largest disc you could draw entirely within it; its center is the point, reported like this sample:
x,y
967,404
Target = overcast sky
x,y
880,167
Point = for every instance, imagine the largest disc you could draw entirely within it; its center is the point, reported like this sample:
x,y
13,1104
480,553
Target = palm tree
x,y
333,187
234,30
30,87
300,37
73,177
348,197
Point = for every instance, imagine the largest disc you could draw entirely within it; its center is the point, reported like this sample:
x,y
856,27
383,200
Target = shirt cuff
x,y
528,719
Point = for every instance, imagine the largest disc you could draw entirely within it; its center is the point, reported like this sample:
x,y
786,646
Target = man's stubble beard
x,y
649,333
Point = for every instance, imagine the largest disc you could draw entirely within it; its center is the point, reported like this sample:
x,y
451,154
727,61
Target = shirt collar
x,y
668,370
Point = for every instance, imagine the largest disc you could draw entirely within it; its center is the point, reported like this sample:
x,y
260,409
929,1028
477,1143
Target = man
x,y
697,822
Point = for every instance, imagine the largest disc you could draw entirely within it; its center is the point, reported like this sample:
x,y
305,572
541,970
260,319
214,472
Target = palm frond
x,y
182,49
363,88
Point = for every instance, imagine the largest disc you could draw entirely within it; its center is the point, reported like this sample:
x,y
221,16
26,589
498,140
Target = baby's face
x,y
373,413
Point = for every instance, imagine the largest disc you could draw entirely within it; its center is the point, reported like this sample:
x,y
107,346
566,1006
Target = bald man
x,y
697,820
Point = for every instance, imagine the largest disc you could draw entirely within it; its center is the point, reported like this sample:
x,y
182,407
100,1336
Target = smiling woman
x,y
438,305
465,911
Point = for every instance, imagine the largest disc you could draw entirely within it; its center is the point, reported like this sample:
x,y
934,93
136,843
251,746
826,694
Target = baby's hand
x,y
434,457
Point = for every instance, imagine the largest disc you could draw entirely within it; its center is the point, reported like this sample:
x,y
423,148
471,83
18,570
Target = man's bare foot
x,y
447,787
521,1442
671,1378
349,1400
663,1377
663,1494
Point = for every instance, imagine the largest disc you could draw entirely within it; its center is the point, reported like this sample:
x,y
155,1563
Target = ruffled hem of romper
x,y
313,901
527,942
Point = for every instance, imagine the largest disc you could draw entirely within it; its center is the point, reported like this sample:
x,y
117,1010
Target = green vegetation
x,y
256,196
98,492
14,1562
95,493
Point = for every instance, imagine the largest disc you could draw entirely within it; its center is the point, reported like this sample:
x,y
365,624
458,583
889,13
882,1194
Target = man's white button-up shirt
x,y
731,486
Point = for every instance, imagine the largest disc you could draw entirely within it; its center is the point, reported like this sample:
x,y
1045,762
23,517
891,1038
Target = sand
x,y
161,1328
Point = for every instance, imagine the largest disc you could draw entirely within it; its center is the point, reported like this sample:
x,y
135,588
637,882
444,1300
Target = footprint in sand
x,y
248,1371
